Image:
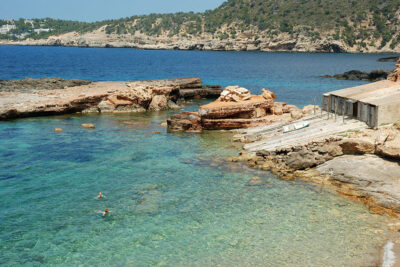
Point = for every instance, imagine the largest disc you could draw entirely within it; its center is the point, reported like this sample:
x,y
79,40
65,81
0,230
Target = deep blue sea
x,y
175,201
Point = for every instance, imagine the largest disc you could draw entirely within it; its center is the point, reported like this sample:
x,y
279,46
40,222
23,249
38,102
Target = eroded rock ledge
x,y
236,108
359,164
107,96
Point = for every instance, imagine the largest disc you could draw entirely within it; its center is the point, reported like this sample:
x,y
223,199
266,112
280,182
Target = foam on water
x,y
175,201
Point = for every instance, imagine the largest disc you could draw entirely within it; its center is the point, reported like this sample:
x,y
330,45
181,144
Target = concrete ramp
x,y
272,137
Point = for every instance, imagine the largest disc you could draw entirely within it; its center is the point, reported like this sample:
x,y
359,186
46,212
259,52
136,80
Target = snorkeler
x,y
106,212
100,196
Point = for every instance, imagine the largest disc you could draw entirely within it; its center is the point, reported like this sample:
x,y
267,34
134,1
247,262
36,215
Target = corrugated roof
x,y
370,93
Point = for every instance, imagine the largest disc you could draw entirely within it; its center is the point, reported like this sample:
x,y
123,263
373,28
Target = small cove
x,y
175,200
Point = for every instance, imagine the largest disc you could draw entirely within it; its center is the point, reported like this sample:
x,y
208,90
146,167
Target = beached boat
x,y
295,126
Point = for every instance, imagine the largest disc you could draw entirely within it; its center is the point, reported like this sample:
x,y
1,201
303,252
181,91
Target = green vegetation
x,y
361,22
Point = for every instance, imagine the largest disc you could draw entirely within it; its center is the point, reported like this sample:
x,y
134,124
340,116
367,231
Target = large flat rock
x,y
220,109
104,96
369,175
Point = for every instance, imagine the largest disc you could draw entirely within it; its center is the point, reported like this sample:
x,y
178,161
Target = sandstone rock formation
x,y
361,164
235,94
124,96
236,108
185,121
267,94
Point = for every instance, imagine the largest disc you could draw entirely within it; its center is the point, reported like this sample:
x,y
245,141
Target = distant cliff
x,y
264,25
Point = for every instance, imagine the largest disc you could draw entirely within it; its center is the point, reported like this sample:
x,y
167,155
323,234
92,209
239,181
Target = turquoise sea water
x,y
175,201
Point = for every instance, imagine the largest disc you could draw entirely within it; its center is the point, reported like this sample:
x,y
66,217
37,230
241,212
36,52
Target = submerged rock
x,y
88,125
149,202
255,181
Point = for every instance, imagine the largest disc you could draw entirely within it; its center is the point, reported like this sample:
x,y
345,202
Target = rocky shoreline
x,y
357,75
282,42
52,96
359,163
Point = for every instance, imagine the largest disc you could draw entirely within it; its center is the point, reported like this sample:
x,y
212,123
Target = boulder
x,y
88,125
267,94
332,149
234,94
159,102
277,108
301,160
390,148
288,108
184,121
173,105
310,109
357,146
296,114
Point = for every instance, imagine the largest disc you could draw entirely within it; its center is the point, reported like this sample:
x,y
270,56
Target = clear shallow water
x,y
175,201
293,76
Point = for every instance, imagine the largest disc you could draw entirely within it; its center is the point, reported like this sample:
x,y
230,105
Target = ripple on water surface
x,y
175,202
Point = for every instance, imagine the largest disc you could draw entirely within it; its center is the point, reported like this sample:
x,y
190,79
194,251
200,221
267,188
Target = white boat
x,y
295,126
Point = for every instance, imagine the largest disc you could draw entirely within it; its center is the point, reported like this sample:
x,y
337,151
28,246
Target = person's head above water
x,y
106,210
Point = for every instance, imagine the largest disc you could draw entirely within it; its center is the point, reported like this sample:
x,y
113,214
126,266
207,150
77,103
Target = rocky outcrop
x,y
104,97
234,94
373,76
185,122
388,59
361,164
245,41
236,108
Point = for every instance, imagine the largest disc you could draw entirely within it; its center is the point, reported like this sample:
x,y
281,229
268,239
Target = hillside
x,y
266,25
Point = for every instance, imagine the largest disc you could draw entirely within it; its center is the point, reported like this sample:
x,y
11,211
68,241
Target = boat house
x,y
375,103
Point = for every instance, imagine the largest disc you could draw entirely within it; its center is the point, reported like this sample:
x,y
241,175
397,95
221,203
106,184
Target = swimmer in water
x,y
106,212
100,196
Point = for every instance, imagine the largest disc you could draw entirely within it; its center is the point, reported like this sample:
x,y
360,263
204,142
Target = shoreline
x,y
389,251
201,50
52,96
